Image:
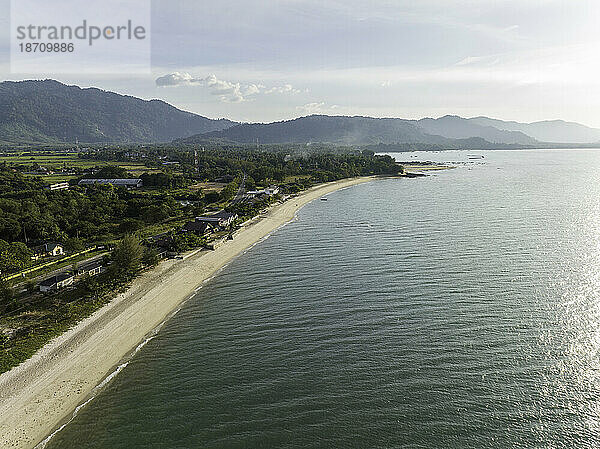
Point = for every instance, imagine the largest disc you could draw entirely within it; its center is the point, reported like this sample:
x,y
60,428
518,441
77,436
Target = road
x,y
240,193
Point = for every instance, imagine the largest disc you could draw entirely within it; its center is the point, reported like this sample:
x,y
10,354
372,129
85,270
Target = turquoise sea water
x,y
461,310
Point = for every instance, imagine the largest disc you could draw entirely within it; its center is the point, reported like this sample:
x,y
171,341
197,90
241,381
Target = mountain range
x,y
48,112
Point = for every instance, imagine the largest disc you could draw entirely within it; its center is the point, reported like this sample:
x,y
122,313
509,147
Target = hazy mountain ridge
x,y
455,127
51,112
444,132
546,131
341,130
366,131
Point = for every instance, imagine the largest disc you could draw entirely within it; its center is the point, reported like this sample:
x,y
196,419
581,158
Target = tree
x,y
30,286
211,197
150,257
13,256
3,340
7,293
73,245
154,213
111,172
127,256
130,225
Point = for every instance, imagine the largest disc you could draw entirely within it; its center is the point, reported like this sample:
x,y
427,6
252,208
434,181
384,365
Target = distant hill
x,y
454,127
365,131
546,131
339,130
51,112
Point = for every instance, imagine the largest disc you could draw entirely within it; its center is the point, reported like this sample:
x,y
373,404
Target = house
x,y
56,282
58,186
90,268
129,183
161,241
47,249
208,224
54,249
271,190
221,219
197,227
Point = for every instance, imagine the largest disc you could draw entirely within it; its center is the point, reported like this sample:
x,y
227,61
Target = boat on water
x,y
475,156
323,198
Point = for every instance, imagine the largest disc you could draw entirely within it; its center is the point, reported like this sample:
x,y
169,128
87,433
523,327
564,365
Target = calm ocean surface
x,y
461,310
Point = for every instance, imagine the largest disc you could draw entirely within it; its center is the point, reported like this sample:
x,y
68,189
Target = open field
x,y
209,186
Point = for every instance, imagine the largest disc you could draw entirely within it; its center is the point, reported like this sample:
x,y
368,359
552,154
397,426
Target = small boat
x,y
475,156
323,198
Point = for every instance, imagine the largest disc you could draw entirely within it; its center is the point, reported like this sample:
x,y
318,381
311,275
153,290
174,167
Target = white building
x,y
59,186
271,190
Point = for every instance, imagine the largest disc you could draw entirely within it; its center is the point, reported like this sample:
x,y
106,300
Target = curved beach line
x,y
42,395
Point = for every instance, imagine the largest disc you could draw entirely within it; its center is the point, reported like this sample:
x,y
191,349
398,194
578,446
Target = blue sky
x,y
272,60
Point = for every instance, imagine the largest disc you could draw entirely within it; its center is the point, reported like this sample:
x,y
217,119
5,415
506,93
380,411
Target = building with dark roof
x,y
56,282
221,218
197,227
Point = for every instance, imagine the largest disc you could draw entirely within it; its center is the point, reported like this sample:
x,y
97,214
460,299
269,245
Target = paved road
x,y
240,193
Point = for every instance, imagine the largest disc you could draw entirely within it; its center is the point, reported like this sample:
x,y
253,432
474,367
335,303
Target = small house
x,y
54,249
47,249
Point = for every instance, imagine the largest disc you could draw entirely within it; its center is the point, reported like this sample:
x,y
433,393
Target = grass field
x,y
60,160
209,186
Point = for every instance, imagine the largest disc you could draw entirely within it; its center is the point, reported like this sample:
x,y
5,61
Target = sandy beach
x,y
40,395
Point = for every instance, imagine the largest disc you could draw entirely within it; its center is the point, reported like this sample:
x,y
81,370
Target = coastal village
x,y
79,225
213,228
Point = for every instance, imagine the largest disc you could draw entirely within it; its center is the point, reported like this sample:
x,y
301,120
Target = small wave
x,y
93,394
98,388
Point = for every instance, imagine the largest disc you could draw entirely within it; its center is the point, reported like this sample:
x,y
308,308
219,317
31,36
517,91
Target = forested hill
x,y
51,112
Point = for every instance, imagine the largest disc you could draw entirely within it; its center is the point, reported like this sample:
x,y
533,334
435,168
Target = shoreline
x,y
41,394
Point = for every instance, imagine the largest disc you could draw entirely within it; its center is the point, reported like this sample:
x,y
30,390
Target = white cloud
x,y
285,89
317,108
175,79
227,91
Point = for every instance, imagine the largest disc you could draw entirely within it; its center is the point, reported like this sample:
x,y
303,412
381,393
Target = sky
x,y
260,61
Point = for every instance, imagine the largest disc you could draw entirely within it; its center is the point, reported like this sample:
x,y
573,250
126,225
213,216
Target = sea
x,y
457,310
